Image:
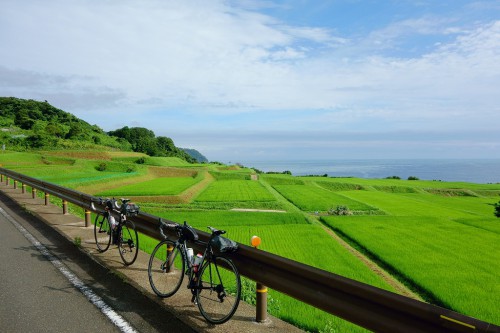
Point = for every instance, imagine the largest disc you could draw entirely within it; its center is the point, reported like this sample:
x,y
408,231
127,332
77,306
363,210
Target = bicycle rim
x,y
128,243
166,269
102,232
218,291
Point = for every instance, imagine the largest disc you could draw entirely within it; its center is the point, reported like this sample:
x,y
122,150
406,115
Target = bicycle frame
x,y
193,276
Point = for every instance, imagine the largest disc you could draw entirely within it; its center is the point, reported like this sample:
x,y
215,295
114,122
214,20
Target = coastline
x,y
458,170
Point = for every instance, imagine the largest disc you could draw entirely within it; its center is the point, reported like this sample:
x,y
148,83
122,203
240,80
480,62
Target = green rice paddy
x,y
440,238
235,190
158,186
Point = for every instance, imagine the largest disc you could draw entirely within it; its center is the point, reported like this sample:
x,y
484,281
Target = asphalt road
x,y
48,285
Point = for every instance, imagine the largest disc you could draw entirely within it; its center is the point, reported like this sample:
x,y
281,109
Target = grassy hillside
x,y
440,239
28,125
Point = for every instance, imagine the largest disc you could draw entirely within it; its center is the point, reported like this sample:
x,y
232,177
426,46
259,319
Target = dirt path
x,y
193,191
258,210
398,286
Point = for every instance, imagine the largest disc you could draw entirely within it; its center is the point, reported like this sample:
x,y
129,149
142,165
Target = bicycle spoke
x,y
166,269
219,289
128,243
102,232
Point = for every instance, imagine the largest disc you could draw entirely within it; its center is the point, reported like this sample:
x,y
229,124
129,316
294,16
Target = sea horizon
x,y
466,170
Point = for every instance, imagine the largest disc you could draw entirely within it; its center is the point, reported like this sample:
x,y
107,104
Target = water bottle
x,y
197,262
112,222
190,255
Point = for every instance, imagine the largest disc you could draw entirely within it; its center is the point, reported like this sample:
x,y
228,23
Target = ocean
x,y
466,170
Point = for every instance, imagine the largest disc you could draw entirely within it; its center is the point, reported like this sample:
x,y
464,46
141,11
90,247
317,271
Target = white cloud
x,y
190,64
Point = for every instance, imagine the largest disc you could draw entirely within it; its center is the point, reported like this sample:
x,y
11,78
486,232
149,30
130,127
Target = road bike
x,y
122,231
214,280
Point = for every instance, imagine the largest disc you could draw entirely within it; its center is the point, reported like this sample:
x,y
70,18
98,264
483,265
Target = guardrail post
x,y
1,179
47,198
33,192
65,207
23,188
170,263
7,181
87,217
261,291
15,184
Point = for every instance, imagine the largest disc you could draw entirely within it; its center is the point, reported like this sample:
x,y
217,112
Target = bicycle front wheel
x,y
166,268
128,242
102,232
219,289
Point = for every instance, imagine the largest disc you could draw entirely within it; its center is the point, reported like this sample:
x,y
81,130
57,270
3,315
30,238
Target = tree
x,y
165,144
22,120
39,141
55,129
146,145
76,131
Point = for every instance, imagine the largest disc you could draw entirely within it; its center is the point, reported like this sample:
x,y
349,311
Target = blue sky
x,y
246,80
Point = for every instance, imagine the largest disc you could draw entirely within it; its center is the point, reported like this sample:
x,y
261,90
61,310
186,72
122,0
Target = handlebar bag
x,y
189,233
130,209
224,244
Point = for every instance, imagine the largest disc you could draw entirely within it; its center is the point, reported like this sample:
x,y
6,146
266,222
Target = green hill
x,y
32,125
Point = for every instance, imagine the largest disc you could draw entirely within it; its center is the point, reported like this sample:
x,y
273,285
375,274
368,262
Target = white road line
x,y
114,317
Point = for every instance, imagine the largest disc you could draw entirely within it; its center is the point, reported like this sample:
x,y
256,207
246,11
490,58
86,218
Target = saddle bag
x,y
224,244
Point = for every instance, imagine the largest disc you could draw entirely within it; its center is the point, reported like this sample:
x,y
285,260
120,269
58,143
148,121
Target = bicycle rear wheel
x,y
166,268
128,242
219,289
102,232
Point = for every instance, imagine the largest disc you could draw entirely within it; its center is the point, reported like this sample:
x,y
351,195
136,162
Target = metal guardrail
x,y
364,305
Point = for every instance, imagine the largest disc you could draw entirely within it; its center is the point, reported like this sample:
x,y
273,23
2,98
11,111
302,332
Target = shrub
x,y
413,178
340,210
497,209
101,167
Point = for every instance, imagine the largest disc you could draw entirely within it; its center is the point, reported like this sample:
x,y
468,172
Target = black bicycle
x,y
214,280
122,231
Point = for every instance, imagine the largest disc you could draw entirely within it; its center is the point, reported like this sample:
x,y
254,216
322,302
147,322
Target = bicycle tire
x,y
102,232
219,290
128,242
165,279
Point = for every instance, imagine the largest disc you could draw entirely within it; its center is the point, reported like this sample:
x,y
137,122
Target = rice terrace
x,y
431,240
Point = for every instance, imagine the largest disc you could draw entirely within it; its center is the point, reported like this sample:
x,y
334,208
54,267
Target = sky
x,y
255,80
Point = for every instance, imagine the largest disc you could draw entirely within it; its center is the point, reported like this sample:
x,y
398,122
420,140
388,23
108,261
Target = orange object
x,y
255,241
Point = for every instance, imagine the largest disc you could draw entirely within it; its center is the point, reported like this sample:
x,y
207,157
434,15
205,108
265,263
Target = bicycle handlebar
x,y
109,203
175,226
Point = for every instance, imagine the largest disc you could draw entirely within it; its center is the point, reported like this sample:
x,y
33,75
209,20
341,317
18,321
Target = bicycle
x,y
214,280
122,231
